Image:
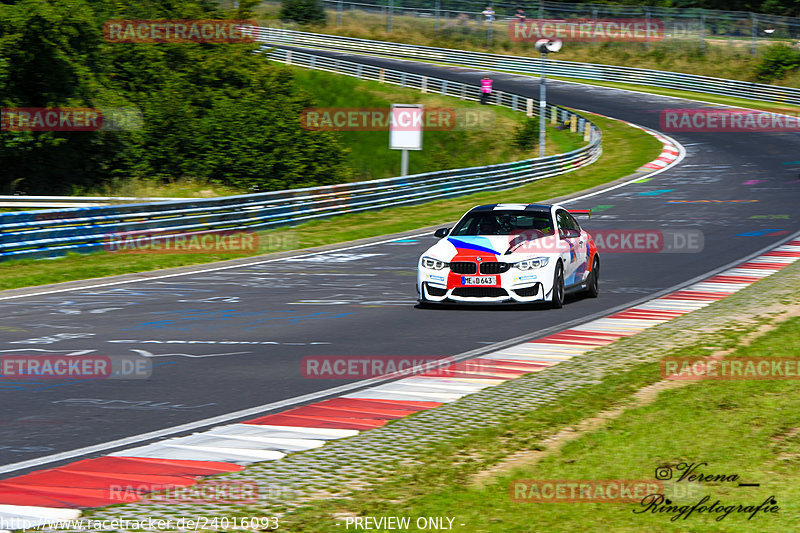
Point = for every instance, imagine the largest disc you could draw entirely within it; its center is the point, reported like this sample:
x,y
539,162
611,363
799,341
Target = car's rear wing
x,y
580,212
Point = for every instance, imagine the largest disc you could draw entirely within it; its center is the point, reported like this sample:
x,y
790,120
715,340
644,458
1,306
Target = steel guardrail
x,y
532,65
48,233
22,200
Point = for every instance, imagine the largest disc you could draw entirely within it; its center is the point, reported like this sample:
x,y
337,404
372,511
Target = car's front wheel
x,y
557,300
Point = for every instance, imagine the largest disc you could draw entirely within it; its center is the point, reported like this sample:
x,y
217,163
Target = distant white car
x,y
510,253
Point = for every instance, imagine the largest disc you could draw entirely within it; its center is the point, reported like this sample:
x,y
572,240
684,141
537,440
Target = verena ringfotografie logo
x,y
70,119
582,490
402,119
178,31
588,30
201,242
74,367
731,368
728,120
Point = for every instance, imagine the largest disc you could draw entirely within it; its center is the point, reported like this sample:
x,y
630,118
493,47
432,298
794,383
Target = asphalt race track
x,y
220,341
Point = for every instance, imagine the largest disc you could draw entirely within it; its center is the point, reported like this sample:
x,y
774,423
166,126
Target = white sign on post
x,y
405,127
405,131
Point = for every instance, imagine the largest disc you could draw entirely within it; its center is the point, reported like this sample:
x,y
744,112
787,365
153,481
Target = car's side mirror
x,y
441,232
568,233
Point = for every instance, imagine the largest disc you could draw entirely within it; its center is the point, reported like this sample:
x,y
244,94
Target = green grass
x,y
144,188
369,153
624,150
747,428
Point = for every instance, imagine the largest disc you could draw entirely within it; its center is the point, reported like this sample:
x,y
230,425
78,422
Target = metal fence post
x,y
389,16
438,13
339,13
754,23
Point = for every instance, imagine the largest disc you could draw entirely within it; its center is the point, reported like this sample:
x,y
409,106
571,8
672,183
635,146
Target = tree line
x,y
215,112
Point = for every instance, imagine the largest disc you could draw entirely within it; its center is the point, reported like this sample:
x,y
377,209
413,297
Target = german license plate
x,y
479,280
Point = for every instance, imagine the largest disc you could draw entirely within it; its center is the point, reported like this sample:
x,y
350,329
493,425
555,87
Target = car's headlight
x,y
433,264
530,264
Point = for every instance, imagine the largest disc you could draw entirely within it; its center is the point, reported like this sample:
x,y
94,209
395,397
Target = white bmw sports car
x,y
510,253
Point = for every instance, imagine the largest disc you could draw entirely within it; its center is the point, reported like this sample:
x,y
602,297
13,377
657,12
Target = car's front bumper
x,y
514,287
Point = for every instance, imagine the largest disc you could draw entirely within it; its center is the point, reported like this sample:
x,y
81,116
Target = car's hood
x,y
493,245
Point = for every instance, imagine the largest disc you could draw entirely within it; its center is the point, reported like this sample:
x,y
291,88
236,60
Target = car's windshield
x,y
536,224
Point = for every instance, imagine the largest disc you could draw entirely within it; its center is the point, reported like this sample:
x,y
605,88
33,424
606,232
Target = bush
x,y
526,136
777,61
303,11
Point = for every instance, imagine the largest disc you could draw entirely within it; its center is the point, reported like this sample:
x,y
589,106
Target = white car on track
x,y
510,253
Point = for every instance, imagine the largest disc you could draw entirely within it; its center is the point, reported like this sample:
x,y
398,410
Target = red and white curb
x,y
669,150
53,495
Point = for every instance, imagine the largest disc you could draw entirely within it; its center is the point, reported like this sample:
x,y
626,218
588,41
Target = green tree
x,y
777,61
303,11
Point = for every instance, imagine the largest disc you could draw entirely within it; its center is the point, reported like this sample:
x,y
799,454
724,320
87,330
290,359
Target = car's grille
x,y
435,291
528,291
494,268
463,267
479,292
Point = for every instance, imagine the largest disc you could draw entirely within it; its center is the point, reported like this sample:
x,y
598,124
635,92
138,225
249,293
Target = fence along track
x,y
55,232
532,65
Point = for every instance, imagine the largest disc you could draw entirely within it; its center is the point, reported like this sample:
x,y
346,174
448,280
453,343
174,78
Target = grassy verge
x,y
743,428
483,135
624,150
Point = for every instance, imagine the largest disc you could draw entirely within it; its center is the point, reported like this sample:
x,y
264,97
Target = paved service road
x,y
226,340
